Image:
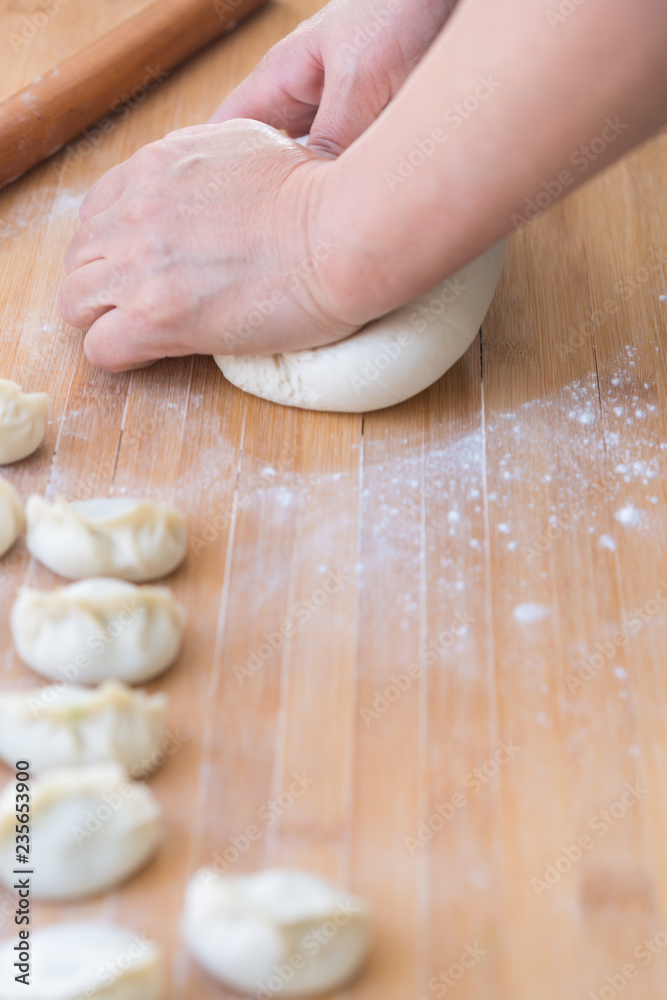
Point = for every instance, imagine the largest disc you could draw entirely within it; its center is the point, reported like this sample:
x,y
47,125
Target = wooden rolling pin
x,y
54,108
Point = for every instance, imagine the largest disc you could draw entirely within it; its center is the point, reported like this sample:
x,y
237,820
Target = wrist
x,y
365,275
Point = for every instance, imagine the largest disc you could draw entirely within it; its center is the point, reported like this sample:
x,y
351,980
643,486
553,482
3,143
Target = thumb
x,y
283,91
348,107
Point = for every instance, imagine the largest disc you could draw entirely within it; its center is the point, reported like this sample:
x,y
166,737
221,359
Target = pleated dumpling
x,y
135,540
96,630
23,420
72,725
70,961
90,829
12,518
278,932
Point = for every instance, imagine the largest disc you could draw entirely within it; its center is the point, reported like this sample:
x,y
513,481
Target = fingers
x,y
347,109
283,91
85,246
88,293
111,343
105,192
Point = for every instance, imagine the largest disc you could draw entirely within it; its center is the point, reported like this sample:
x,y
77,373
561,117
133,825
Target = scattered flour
x,y
530,612
628,515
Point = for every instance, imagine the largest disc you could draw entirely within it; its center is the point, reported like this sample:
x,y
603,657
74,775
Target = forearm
x,y
506,100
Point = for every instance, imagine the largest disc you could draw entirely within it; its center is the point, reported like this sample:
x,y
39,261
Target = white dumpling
x,y
72,725
12,518
135,540
23,419
96,630
71,961
91,828
277,932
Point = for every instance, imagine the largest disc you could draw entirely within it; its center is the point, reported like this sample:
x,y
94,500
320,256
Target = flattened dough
x,y
12,518
72,725
389,360
135,540
23,419
95,959
98,629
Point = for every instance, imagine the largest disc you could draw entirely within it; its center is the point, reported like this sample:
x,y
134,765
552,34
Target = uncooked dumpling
x,y
98,629
389,360
12,518
132,539
73,961
23,419
72,725
278,932
91,828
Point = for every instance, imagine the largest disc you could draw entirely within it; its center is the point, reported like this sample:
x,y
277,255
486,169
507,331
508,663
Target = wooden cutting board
x,y
477,581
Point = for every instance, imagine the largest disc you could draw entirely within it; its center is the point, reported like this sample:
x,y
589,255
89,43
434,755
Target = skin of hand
x,y
503,103
202,243
513,101
148,278
333,75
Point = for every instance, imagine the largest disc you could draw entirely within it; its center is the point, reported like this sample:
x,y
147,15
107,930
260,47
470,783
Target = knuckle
x,y
134,212
154,307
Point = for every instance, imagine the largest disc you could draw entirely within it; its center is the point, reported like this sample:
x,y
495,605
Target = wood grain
x,y
486,675
121,67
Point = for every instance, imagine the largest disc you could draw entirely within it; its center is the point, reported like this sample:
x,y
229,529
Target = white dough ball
x,y
64,727
389,360
12,518
93,960
91,828
132,539
23,419
279,932
98,629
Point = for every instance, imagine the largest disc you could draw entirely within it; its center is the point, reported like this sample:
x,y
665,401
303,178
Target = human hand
x,y
336,72
204,242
